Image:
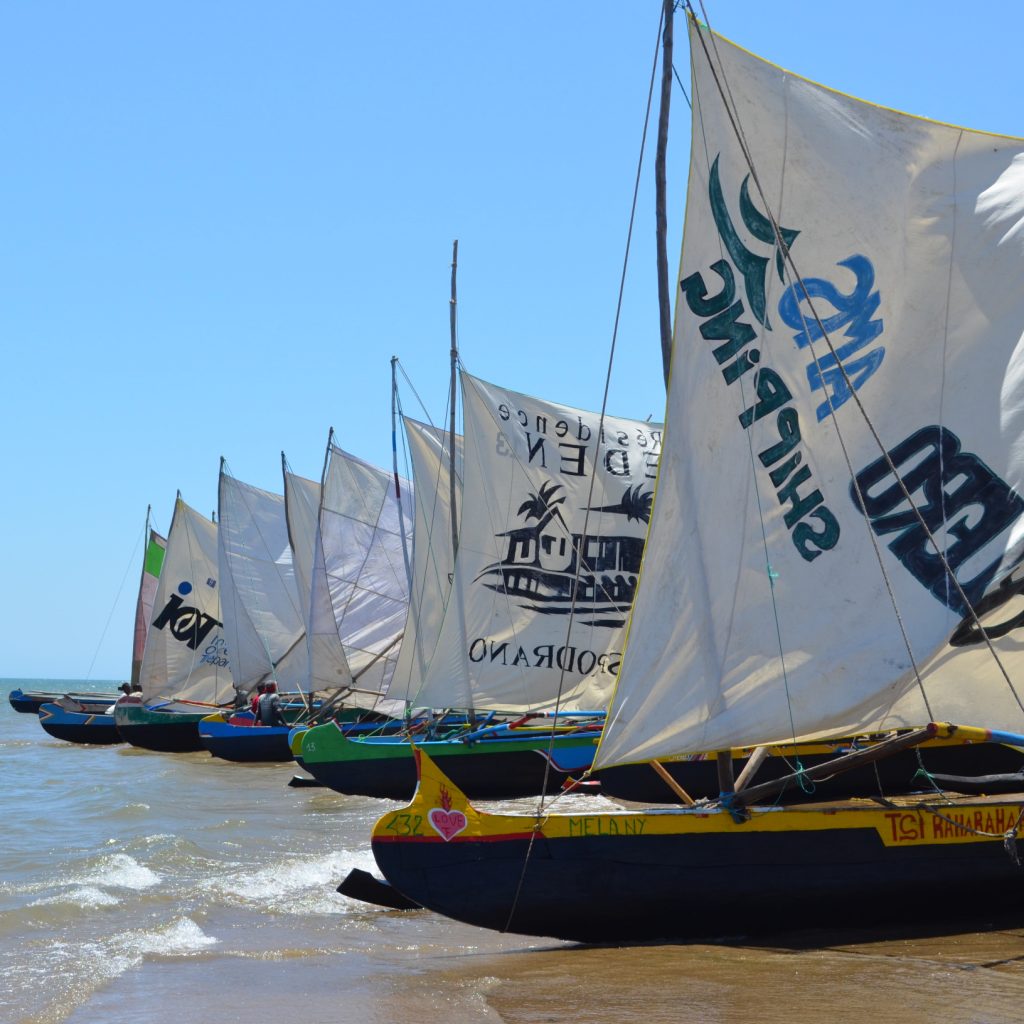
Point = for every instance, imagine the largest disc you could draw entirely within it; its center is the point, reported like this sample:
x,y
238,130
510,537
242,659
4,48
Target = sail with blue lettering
x,y
555,510
849,323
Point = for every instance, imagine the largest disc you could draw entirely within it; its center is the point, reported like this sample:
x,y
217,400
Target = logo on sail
x,y
552,570
185,622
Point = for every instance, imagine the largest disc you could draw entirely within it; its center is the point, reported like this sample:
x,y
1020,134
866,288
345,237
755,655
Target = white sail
x,y
763,612
186,655
360,584
326,664
549,551
263,622
433,559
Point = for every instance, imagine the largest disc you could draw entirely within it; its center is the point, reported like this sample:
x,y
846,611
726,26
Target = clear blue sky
x,y
220,220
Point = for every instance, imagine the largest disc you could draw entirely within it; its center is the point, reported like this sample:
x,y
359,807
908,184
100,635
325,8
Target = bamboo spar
x,y
840,764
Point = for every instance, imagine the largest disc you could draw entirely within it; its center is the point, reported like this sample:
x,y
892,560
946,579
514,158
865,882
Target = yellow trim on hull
x,y
440,812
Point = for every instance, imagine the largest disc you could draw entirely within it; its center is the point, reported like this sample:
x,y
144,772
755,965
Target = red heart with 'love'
x,y
448,824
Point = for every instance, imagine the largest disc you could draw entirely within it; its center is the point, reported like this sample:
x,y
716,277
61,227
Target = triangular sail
x,y
359,585
186,654
263,622
433,560
152,562
762,611
549,551
327,666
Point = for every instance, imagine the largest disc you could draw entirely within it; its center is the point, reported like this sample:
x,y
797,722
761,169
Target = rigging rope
x,y
604,403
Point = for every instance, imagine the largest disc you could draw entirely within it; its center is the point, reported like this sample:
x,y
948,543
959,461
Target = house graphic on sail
x,y
552,570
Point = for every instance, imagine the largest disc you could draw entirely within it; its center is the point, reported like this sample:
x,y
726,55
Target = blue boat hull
x,y
79,727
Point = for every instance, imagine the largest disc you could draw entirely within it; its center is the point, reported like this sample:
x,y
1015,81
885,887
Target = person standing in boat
x,y
269,707
254,704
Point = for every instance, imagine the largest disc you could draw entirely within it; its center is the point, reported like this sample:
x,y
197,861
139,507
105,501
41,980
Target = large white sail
x,y
260,607
549,550
433,558
763,612
360,581
186,654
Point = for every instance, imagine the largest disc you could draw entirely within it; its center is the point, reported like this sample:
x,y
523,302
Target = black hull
x,y
899,773
249,749
633,888
99,735
483,775
28,702
167,738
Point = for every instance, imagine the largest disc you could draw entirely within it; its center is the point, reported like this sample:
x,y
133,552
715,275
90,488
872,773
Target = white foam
x,y
80,896
179,938
294,885
121,871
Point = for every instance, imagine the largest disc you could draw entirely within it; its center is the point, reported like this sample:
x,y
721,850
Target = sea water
x,y
149,888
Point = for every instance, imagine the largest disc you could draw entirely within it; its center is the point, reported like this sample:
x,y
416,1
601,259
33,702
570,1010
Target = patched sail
x,y
186,654
433,559
263,621
551,537
763,612
152,562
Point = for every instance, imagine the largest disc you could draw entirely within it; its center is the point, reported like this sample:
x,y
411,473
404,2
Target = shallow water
x,y
143,887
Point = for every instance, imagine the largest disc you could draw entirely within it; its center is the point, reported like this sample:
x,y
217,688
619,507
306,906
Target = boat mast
x,y
660,190
394,465
724,757
451,417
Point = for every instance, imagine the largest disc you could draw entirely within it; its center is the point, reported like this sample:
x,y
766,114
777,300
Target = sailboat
x,y
184,674
88,718
835,544
354,530
529,637
263,622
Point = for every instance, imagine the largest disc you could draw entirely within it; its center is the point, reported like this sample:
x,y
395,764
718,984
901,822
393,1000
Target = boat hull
x,y
78,726
28,702
487,770
245,743
612,877
163,731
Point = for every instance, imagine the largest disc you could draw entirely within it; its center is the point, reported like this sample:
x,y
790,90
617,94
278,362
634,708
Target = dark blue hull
x,y
246,742
78,727
28,702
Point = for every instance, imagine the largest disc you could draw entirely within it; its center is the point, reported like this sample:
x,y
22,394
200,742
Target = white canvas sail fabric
x,y
552,532
327,666
433,559
186,654
260,605
762,611
360,582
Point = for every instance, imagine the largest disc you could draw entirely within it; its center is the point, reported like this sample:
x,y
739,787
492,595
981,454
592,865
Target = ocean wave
x,y
298,885
86,896
120,871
